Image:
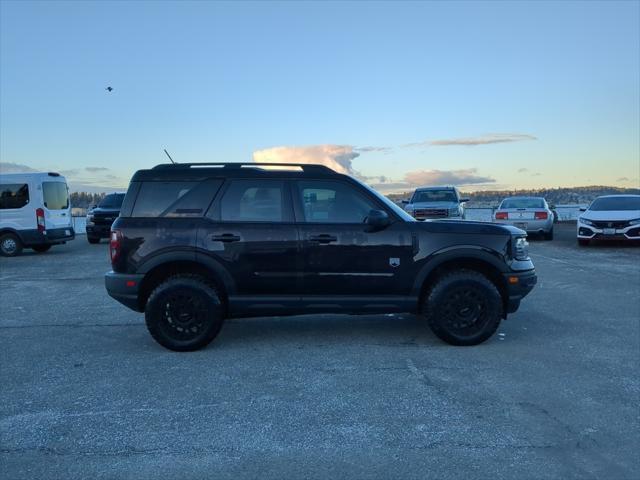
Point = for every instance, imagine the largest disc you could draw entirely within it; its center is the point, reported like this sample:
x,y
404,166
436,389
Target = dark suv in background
x,y
197,243
101,217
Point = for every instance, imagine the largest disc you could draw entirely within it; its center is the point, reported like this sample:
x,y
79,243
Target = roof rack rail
x,y
306,167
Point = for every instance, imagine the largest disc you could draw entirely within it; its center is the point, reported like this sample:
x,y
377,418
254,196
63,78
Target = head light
x,y
454,212
520,248
635,221
586,221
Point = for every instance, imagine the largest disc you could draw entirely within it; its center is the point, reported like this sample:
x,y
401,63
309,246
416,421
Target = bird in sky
x,y
109,89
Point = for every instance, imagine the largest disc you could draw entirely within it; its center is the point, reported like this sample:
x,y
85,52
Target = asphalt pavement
x,y
86,393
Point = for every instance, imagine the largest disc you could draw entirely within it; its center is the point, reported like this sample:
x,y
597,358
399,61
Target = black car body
x,y
298,240
100,219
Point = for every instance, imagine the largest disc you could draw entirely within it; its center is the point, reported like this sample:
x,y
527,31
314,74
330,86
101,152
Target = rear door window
x,y
175,199
13,195
56,195
255,201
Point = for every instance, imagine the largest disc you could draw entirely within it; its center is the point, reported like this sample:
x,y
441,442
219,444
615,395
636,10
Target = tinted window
x,y
616,203
253,201
523,203
14,195
333,202
56,195
112,201
175,199
434,196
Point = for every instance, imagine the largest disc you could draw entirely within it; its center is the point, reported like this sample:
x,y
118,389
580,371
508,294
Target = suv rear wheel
x,y
10,245
463,308
184,313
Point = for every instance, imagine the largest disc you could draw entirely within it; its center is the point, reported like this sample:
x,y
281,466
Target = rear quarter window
x,y
174,199
13,195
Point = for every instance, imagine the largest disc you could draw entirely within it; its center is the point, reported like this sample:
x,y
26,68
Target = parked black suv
x,y
100,219
197,243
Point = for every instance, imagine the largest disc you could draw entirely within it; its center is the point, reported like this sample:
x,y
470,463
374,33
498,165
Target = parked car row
x,y
609,217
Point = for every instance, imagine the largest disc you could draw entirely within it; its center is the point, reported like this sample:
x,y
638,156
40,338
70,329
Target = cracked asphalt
x,y
86,393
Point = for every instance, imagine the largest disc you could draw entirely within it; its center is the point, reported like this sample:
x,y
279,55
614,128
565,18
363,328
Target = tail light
x,y
502,215
541,215
115,245
40,220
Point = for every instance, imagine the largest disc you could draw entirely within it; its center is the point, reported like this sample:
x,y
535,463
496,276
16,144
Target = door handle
x,y
225,237
324,238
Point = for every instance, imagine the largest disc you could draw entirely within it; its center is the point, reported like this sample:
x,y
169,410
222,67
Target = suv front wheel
x,y
184,313
463,308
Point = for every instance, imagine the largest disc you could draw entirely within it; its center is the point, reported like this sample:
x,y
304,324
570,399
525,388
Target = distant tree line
x,y
85,199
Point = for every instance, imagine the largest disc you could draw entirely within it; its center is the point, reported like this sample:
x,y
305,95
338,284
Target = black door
x,y
341,255
250,232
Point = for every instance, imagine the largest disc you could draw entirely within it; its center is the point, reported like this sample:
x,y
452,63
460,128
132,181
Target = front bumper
x,y
124,288
588,232
98,230
519,284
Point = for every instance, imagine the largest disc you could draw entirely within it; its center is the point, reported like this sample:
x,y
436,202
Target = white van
x,y
34,212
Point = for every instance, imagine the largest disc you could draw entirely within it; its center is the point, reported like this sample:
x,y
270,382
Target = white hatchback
x,y
610,217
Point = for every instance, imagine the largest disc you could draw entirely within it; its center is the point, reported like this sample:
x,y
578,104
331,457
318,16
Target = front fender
x,y
457,253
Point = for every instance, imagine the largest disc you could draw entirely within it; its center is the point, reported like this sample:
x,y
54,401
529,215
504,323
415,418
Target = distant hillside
x,y
555,196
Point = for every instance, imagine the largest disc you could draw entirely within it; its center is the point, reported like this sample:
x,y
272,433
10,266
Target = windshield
x,y
396,209
56,195
615,203
522,203
434,196
112,201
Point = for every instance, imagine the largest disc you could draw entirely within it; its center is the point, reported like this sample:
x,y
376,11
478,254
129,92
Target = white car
x,y
610,217
531,214
34,212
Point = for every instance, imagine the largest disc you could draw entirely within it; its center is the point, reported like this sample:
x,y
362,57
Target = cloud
x,y
623,179
369,149
96,169
418,178
486,139
69,173
336,157
438,177
536,174
523,170
7,167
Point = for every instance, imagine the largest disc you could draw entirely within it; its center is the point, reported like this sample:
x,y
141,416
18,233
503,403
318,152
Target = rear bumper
x,y
124,288
52,236
519,284
532,226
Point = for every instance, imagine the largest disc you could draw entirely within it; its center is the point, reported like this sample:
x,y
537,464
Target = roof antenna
x,y
165,151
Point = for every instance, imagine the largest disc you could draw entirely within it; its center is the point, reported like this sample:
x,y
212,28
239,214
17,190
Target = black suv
x,y
100,219
197,243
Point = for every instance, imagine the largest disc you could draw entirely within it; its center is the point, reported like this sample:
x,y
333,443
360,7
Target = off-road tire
x,y
463,308
549,235
93,240
184,313
10,245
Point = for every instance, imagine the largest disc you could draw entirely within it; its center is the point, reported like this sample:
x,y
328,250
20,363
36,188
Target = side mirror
x,y
462,200
377,219
404,202
583,209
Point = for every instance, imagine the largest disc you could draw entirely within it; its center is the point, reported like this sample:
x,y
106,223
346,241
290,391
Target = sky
x,y
485,95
